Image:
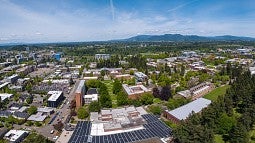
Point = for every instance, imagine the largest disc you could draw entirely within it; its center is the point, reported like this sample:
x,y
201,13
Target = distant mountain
x,y
185,38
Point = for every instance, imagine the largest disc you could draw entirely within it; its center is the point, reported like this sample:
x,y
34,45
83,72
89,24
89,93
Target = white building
x,y
183,112
55,98
141,77
5,96
90,98
15,136
102,56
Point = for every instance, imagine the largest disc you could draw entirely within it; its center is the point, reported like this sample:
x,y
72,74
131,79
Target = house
x,y
16,88
2,85
46,110
15,106
183,112
23,109
12,79
20,115
5,114
39,117
16,136
5,96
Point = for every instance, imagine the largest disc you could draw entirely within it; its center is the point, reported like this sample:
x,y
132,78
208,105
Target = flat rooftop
x,y
13,135
154,128
5,96
111,121
80,86
137,89
54,95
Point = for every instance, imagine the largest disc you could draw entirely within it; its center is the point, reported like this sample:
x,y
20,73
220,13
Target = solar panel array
x,y
153,128
81,133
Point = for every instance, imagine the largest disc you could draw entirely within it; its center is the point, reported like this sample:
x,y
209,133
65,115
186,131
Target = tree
x,y
38,124
82,113
117,87
147,98
155,92
93,83
29,123
168,69
59,126
165,93
94,106
131,72
3,141
182,70
122,98
225,123
29,100
102,72
239,134
32,110
71,82
155,109
105,98
36,138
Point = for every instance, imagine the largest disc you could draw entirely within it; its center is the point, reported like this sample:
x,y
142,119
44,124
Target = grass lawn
x,y
218,139
109,85
213,95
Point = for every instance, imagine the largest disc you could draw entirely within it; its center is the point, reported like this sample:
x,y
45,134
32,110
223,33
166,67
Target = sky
x,y
42,21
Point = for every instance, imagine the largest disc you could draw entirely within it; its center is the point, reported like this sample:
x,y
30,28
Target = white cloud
x,y
21,25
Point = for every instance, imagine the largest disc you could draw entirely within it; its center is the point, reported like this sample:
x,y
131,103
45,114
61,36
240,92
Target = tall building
x,y
79,93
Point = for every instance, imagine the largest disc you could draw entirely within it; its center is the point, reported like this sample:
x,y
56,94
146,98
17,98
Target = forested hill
x,y
185,38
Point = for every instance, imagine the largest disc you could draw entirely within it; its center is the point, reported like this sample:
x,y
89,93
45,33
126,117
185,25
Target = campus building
x,y
135,91
140,77
91,96
79,93
183,112
197,91
102,56
16,136
56,97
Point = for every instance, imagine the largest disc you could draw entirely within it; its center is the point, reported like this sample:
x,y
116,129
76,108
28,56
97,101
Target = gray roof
x,y
92,91
5,113
80,86
195,106
21,115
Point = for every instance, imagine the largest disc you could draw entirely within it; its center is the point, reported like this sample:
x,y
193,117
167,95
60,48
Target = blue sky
x,y
94,20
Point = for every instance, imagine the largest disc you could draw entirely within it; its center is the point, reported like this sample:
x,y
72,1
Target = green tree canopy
x,y
147,98
32,110
94,106
122,98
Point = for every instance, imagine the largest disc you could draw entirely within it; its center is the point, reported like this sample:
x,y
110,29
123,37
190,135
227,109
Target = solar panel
x,y
153,128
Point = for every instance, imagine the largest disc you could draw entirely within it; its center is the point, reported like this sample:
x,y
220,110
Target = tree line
x,y
232,116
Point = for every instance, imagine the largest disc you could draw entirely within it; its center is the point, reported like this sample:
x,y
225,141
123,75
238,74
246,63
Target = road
x,y
63,112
